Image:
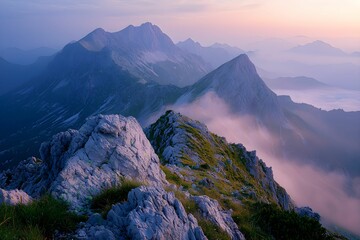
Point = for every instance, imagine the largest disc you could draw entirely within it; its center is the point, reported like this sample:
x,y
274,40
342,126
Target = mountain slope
x,y
331,139
14,75
219,167
239,85
76,84
301,132
149,54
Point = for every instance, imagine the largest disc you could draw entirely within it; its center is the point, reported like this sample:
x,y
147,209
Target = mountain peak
x,y
239,85
148,25
242,64
190,44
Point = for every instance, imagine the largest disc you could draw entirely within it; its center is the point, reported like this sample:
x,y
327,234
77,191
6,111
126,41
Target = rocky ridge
x,y
204,160
198,191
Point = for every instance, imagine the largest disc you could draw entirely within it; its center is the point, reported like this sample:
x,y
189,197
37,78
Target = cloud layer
x,y
326,192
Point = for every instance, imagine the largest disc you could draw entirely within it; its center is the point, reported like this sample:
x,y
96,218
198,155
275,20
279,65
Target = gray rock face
x,y
13,197
211,210
149,213
170,139
307,212
258,169
78,164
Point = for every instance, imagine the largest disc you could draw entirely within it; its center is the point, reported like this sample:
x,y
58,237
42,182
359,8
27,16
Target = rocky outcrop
x,y
182,142
307,212
258,169
211,210
149,213
170,138
75,165
13,197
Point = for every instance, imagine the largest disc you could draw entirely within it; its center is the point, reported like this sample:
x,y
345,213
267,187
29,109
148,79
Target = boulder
x,y
76,165
211,210
149,213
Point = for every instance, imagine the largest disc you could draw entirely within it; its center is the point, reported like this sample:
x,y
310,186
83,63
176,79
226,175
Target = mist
x,y
341,70
325,192
327,99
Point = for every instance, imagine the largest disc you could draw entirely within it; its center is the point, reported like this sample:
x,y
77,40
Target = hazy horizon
x,y
37,23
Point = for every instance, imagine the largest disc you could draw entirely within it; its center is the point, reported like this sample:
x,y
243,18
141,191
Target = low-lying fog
x,y
325,192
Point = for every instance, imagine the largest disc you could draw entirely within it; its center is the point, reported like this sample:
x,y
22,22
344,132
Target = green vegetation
x,y
103,202
269,221
174,178
286,224
212,231
37,220
189,204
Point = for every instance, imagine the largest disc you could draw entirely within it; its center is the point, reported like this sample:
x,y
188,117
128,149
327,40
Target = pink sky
x,y
34,23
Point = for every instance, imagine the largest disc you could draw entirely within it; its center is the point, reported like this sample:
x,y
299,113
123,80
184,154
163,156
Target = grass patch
x,y
174,178
212,231
269,221
102,203
37,220
189,204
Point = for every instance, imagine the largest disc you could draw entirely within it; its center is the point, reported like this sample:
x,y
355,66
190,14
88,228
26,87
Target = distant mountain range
x,y
217,54
318,48
295,83
25,57
134,72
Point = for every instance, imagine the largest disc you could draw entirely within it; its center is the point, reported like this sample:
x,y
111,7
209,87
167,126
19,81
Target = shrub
x,y
103,202
286,224
37,220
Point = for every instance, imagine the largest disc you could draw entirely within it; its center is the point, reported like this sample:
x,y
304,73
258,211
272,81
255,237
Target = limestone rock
x,y
149,213
258,169
211,210
13,197
76,165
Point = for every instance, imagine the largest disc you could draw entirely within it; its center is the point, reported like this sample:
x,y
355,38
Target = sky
x,y
35,23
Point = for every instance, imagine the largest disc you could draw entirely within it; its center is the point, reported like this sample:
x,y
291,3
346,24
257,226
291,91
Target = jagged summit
x,y
144,37
148,53
242,65
189,43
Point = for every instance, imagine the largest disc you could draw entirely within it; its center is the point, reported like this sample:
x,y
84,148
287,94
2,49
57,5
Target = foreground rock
x,y
76,165
149,213
211,210
13,197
